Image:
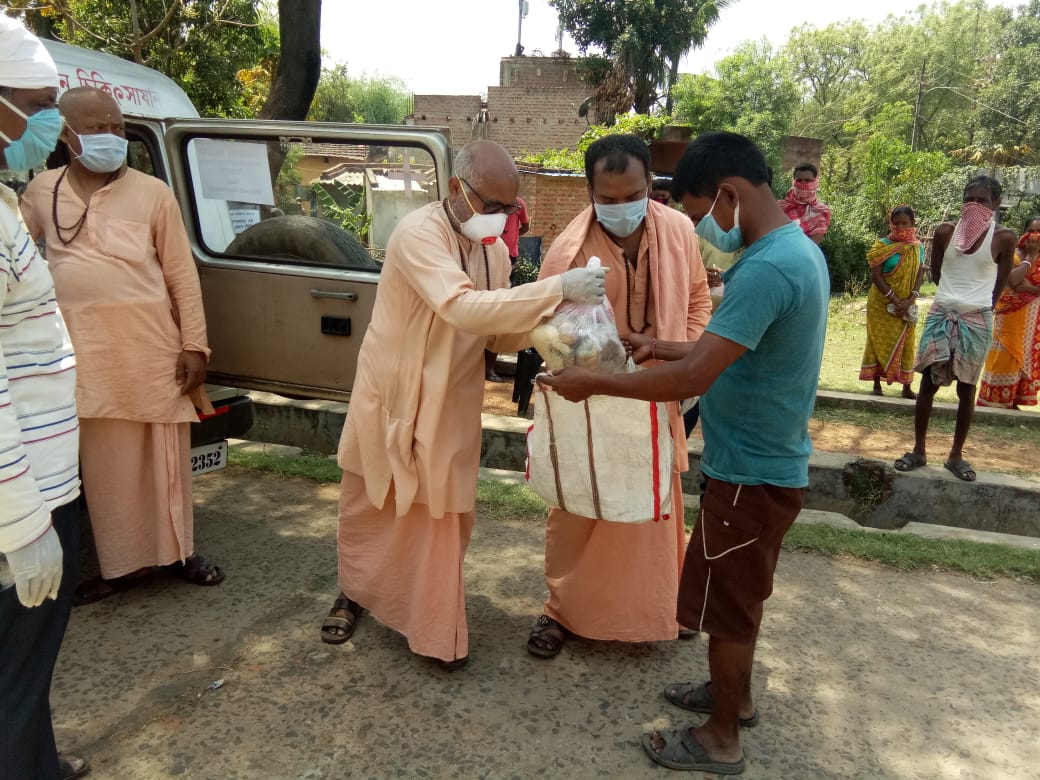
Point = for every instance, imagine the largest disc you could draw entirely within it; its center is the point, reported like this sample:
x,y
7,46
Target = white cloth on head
x,y
24,62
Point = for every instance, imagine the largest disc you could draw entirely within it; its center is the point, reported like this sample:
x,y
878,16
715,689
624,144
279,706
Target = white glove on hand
x,y
585,285
37,569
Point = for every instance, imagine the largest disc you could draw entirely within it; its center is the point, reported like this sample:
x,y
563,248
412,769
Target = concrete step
x,y
816,516
871,492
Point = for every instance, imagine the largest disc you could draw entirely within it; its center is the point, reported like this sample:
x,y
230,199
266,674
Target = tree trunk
x,y
673,76
299,64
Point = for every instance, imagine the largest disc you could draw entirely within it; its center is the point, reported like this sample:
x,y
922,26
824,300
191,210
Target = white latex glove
x,y
585,285
37,569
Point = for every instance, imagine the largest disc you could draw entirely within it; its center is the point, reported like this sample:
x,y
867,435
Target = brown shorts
x,y
731,558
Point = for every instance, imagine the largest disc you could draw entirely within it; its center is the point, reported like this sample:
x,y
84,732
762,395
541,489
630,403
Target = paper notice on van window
x,y
234,170
242,215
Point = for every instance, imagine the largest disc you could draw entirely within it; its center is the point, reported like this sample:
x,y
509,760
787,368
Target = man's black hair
x,y
616,151
988,183
903,211
715,156
807,167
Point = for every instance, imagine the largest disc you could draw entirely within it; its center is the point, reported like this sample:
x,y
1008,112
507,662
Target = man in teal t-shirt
x,y
756,369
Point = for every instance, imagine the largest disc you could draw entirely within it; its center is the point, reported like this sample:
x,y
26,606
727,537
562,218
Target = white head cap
x,y
24,62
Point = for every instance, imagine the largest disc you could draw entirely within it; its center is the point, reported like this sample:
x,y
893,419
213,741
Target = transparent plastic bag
x,y
581,335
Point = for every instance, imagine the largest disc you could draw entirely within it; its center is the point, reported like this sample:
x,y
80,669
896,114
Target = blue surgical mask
x,y
102,152
36,143
621,219
723,240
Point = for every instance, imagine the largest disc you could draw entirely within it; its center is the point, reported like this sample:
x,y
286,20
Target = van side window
x,y
304,201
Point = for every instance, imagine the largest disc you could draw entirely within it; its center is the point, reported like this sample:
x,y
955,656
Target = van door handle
x,y
341,296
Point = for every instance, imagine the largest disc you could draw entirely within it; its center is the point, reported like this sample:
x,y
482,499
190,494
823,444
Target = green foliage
x,y
343,205
846,252
646,127
644,38
200,45
372,100
1010,126
752,92
525,272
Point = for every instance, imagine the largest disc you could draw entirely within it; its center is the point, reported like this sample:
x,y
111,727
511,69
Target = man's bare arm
x,y
940,241
1005,259
690,375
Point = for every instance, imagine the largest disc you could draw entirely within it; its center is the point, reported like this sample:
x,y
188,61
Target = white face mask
x,y
102,152
485,228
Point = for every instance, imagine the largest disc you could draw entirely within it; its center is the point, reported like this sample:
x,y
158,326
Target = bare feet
x,y
908,393
877,388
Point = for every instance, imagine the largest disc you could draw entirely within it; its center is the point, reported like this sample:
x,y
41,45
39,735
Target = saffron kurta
x,y
410,448
129,291
613,580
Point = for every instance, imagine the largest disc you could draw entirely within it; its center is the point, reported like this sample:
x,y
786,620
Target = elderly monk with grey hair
x,y
39,433
410,448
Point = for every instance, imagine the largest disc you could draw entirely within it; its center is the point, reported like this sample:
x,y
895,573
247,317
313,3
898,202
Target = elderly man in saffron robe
x,y
410,448
127,285
615,581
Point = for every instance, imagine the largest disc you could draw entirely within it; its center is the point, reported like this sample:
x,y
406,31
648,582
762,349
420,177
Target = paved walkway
x,y
861,672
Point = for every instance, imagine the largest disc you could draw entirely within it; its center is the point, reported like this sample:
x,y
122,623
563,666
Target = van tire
x,y
298,237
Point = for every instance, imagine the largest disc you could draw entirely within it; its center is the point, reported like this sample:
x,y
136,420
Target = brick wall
x,y
553,200
456,112
533,108
530,119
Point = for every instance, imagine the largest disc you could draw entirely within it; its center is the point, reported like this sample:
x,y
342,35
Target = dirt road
x,y
861,671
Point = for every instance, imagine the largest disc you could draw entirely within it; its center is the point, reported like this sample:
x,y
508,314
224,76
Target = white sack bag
x,y
606,458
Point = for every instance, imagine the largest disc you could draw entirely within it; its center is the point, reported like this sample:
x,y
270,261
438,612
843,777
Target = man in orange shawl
x,y
616,581
410,449
1011,377
127,285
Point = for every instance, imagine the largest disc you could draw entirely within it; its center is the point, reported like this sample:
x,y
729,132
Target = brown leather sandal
x,y
547,638
335,629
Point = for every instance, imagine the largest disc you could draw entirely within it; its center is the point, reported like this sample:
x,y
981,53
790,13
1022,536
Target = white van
x,y
288,222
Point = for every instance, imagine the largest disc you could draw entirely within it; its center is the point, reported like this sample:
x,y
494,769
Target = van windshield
x,y
305,202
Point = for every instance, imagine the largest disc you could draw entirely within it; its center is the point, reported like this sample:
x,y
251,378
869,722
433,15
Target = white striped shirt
x,y
39,431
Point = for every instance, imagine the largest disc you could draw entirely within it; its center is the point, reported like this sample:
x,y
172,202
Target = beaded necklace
x,y
487,266
77,226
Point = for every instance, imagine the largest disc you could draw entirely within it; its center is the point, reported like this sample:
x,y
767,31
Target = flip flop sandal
x,y
697,698
910,461
454,665
681,751
329,633
960,469
99,588
196,570
544,641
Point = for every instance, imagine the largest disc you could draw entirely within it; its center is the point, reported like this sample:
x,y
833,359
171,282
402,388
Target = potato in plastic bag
x,y
581,335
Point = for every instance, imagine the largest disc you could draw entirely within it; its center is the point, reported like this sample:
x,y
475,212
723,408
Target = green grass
x,y
503,502
846,337
320,468
910,552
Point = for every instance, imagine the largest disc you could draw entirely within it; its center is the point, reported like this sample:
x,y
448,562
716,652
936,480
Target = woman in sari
x,y
895,269
1011,377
